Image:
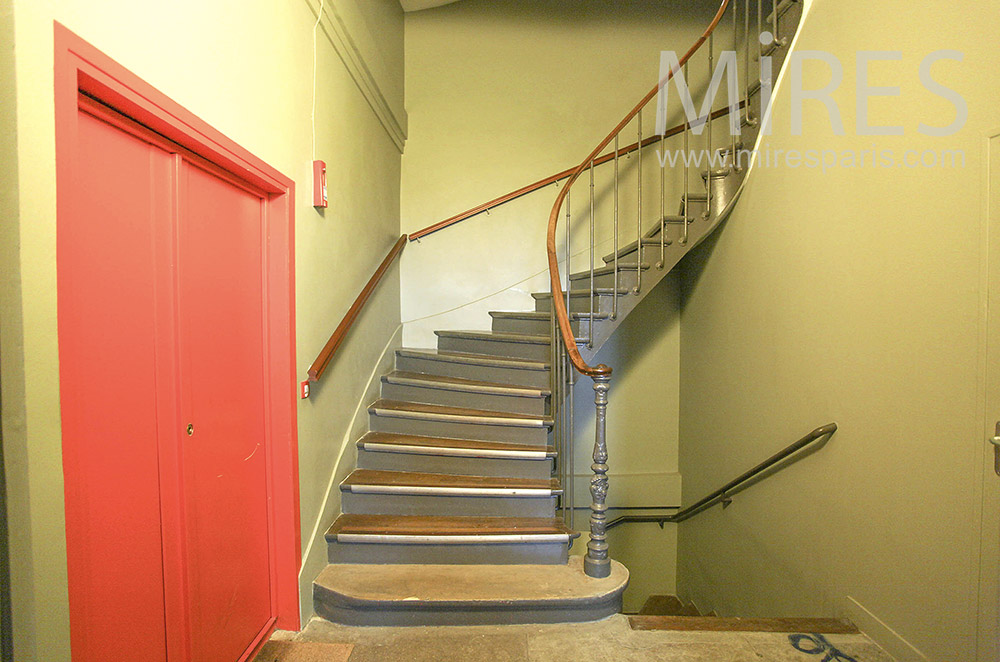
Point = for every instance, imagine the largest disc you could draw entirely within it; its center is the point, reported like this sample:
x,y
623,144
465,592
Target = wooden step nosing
x,y
452,451
452,539
598,291
444,385
461,418
489,336
607,270
485,360
535,315
437,490
630,248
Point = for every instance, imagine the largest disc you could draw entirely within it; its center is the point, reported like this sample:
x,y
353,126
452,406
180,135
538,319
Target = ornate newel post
x,y
597,563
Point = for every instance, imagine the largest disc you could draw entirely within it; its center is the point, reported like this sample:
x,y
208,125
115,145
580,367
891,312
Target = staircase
x,y
451,514
453,501
455,484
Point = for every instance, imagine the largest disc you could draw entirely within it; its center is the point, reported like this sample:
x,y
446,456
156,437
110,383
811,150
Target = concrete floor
x,y
610,640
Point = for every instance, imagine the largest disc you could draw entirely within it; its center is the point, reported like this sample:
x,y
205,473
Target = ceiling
x,y
417,5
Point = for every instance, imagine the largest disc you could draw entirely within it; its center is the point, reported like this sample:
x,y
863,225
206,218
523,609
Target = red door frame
x,y
81,68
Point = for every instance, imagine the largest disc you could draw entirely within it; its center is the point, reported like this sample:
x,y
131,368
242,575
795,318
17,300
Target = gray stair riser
x,y
626,279
492,554
651,253
461,506
697,204
516,376
603,303
424,428
460,466
674,231
469,400
532,327
329,606
514,350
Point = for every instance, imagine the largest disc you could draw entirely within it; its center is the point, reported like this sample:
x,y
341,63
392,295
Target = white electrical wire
x,y
501,290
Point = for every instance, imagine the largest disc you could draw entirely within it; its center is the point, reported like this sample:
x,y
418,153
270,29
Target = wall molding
x,y
393,120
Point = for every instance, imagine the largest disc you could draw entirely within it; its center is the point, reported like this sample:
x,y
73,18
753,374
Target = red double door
x,y
162,379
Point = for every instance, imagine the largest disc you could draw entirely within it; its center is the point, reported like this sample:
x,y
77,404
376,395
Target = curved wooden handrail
x,y
559,176
558,304
319,366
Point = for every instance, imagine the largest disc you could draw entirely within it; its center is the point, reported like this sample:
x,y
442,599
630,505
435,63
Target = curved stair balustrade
x,y
633,270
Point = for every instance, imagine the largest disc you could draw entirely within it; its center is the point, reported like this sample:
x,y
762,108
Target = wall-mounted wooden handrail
x,y
559,176
319,366
558,304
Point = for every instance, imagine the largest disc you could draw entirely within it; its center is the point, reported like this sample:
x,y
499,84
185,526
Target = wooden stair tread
x,y
415,525
497,336
609,269
393,439
408,478
460,383
541,315
474,359
442,410
630,248
652,236
720,624
601,291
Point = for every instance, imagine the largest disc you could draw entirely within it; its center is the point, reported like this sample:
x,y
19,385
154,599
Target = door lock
x,y
190,429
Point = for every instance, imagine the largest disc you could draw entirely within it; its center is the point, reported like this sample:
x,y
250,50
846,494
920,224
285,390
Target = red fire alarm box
x,y
319,183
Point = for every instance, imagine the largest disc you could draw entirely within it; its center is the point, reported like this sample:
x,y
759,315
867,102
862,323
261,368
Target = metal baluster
x,y
663,194
746,69
760,27
567,446
708,180
590,334
638,206
687,173
736,49
774,23
565,442
555,404
614,299
570,445
597,563
569,252
765,91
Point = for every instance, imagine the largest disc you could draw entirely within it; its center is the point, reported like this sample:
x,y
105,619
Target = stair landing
x,y
372,594
609,640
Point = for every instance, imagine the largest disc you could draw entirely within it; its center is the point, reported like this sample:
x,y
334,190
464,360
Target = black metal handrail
x,y
722,494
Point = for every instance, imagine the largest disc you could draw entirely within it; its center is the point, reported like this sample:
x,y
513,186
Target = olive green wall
x,y
246,69
10,333
854,295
